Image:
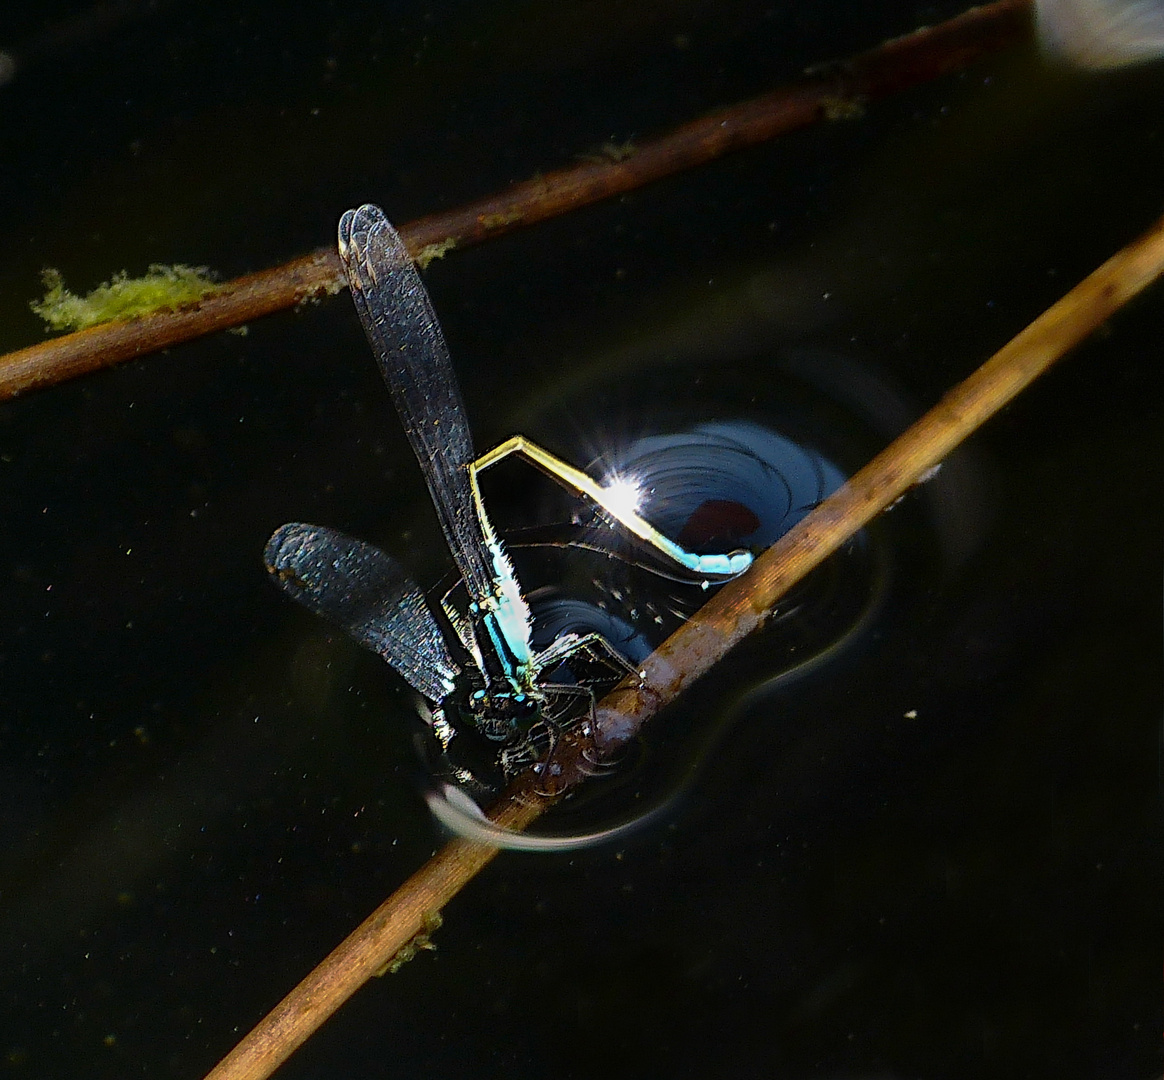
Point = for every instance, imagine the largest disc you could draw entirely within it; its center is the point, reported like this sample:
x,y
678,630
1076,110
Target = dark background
x,y
935,853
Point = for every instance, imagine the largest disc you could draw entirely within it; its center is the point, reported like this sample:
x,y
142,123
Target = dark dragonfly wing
x,y
410,348
367,593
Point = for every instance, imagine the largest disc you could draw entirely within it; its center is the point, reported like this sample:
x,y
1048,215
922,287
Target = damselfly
x,y
501,679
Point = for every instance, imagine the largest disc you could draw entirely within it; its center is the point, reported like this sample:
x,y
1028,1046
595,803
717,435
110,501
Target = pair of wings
x,y
347,581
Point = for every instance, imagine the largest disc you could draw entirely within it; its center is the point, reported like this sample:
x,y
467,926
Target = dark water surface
x,y
935,852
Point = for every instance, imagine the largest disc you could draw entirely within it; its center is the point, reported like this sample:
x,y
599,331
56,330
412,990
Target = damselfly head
x,y
501,717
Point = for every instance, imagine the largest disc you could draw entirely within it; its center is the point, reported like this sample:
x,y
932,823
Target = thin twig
x,y
739,608
830,91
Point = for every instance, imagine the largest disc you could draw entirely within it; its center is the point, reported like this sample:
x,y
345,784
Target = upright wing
x,y
403,331
365,592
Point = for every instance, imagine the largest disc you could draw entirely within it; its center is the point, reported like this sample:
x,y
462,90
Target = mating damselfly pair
x,y
474,662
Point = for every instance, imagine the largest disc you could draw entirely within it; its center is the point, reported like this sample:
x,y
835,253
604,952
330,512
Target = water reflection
x,y
716,486
726,485
804,418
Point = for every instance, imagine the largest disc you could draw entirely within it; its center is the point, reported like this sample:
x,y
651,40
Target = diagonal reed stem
x,y
832,90
739,608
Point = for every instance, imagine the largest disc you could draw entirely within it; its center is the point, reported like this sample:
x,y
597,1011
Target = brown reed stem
x,y
832,90
735,611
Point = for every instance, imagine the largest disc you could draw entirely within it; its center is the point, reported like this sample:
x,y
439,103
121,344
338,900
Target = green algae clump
x,y
420,941
122,298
